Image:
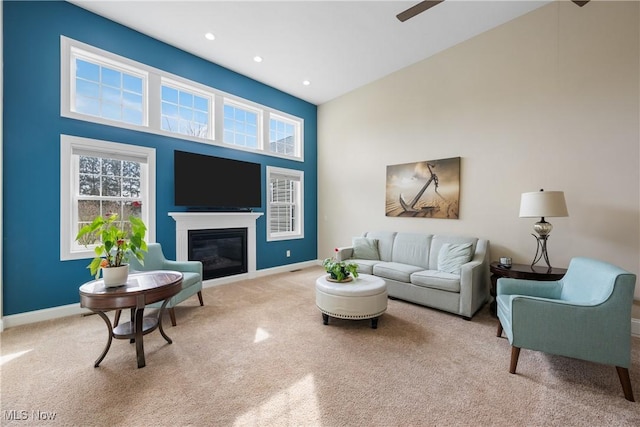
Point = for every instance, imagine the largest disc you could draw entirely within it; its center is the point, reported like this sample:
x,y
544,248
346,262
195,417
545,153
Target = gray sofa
x,y
450,273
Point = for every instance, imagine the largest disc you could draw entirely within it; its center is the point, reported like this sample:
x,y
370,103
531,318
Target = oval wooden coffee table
x,y
141,289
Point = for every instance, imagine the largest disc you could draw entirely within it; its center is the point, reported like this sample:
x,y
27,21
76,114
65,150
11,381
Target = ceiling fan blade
x,y
580,2
418,8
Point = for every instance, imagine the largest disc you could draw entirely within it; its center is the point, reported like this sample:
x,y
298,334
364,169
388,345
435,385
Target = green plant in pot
x,y
340,270
115,244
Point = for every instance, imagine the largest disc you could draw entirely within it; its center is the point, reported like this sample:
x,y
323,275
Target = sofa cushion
x,y
452,256
440,239
190,279
365,248
437,280
385,242
412,249
504,302
365,265
395,271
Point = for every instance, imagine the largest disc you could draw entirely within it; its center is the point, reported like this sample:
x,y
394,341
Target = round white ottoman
x,y
362,298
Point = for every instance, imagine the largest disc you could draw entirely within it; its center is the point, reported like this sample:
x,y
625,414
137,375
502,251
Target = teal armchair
x,y
191,282
585,315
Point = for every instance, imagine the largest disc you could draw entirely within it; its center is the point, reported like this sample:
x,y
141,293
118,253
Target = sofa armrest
x,y
471,284
468,269
474,280
344,253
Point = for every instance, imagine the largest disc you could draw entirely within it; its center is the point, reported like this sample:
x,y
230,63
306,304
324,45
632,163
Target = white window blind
x,y
285,210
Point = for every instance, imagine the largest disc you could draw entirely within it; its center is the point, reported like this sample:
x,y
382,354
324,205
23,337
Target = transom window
x,y
282,135
240,125
101,87
108,92
185,111
285,218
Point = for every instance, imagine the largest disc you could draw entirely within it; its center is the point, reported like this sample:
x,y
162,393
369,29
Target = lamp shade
x,y
543,203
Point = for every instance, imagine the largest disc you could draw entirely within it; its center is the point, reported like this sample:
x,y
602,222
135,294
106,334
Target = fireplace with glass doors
x,y
223,252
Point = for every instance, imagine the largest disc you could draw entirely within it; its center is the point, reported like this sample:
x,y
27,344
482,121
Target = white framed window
x,y
285,209
185,110
100,177
284,133
105,88
242,124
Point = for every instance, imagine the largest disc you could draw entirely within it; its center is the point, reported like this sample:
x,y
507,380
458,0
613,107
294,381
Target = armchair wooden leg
x,y
515,353
116,319
499,333
623,374
200,298
172,314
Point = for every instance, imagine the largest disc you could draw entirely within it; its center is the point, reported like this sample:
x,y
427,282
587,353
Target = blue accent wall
x,y
33,275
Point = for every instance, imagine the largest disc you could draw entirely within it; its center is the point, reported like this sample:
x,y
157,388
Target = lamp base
x,y
542,227
541,250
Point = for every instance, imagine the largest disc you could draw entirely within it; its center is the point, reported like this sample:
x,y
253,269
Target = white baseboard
x,y
259,273
74,309
42,315
286,268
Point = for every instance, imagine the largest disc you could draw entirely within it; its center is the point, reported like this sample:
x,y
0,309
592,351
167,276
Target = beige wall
x,y
550,100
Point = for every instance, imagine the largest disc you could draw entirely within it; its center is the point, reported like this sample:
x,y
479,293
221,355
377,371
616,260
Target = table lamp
x,y
542,204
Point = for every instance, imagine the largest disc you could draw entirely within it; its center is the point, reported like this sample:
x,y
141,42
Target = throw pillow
x,y
452,256
365,248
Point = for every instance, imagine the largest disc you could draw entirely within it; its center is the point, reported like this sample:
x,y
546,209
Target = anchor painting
x,y
429,189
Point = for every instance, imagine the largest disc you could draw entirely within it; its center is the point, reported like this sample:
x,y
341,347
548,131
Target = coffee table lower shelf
x,y
127,330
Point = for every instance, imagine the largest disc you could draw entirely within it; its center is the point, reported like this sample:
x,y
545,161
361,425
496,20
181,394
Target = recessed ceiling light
x,y
306,82
257,58
209,36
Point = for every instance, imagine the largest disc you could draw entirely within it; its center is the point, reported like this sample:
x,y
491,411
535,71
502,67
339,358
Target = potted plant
x,y
115,246
340,271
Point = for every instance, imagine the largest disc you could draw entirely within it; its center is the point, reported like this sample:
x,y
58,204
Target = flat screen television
x,y
204,182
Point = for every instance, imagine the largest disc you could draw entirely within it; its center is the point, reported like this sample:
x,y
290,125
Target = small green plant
x,y
340,270
116,244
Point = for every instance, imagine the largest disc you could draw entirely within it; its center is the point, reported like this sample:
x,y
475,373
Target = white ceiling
x,y
337,45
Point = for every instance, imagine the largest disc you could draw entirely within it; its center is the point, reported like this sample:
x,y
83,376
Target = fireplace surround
x,y
189,221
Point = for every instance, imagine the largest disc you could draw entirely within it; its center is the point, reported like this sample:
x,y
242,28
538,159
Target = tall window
x,y
108,91
107,186
100,178
185,111
241,125
285,213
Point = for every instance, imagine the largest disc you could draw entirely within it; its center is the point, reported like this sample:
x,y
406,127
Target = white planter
x,y
115,276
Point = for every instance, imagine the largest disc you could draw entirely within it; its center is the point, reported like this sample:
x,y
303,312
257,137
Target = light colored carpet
x,y
257,354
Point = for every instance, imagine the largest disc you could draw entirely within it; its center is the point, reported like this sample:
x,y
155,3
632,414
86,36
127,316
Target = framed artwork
x,y
428,189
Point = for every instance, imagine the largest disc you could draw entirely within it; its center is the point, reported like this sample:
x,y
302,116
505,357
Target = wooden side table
x,y
520,271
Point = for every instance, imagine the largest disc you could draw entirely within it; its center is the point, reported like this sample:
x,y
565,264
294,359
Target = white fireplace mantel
x,y
186,221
